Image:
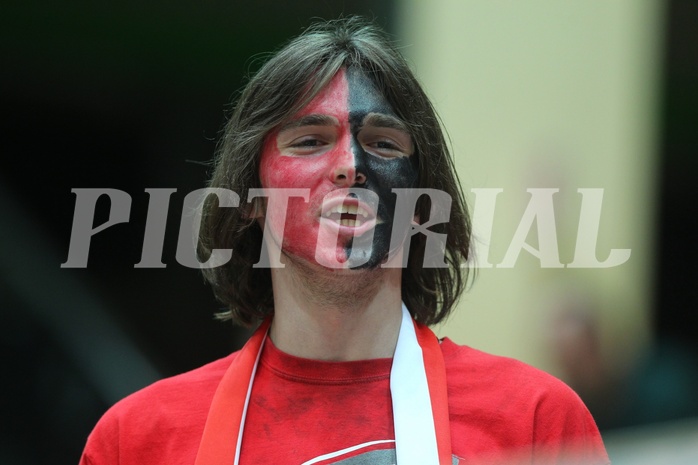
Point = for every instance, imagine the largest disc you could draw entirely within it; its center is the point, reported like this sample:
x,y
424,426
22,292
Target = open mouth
x,y
348,215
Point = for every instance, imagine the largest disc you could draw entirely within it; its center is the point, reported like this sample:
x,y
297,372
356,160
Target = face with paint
x,y
348,148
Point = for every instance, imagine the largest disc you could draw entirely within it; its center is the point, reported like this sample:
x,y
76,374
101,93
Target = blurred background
x,y
537,94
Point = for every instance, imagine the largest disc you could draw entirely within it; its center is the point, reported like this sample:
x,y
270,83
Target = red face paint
x,y
340,140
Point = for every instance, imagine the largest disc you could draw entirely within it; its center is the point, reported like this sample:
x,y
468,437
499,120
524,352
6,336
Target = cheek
x,y
399,173
276,171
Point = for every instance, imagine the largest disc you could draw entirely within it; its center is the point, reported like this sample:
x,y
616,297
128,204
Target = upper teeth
x,y
350,209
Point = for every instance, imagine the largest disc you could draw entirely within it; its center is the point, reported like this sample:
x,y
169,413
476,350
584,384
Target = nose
x,y
347,171
347,176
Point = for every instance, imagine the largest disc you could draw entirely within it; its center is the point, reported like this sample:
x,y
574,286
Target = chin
x,y
369,255
374,261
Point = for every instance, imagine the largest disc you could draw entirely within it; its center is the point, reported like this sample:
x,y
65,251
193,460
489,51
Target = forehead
x,y
364,96
349,94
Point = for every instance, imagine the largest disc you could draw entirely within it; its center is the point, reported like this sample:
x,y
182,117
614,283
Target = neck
x,y
338,315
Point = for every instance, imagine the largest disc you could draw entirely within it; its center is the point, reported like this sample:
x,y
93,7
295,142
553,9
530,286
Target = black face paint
x,y
382,174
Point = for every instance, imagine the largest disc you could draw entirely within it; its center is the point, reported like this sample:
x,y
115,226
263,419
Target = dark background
x,y
132,95
126,95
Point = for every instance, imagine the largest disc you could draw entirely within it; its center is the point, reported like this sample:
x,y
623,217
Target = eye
x,y
385,145
385,142
308,142
306,145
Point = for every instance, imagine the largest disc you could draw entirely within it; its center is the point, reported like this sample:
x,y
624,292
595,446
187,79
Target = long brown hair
x,y
283,86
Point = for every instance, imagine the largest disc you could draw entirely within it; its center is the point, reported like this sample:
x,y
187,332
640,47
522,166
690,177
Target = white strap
x,y
415,436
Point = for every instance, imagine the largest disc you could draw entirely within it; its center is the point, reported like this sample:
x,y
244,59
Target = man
x,y
330,148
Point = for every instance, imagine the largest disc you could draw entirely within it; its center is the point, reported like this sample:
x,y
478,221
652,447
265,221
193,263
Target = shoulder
x,y
472,369
196,386
499,400
148,420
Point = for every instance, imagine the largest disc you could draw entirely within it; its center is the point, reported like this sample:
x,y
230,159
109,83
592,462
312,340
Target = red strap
x,y
436,379
219,440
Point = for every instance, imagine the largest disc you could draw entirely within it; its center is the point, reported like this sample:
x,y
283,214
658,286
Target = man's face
x,y
347,137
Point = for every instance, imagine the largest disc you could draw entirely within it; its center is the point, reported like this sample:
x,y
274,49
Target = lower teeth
x,y
354,223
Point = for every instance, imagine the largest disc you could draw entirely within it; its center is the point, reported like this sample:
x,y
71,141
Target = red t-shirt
x,y
305,411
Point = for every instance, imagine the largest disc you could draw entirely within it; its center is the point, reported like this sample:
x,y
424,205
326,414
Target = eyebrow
x,y
309,120
382,120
